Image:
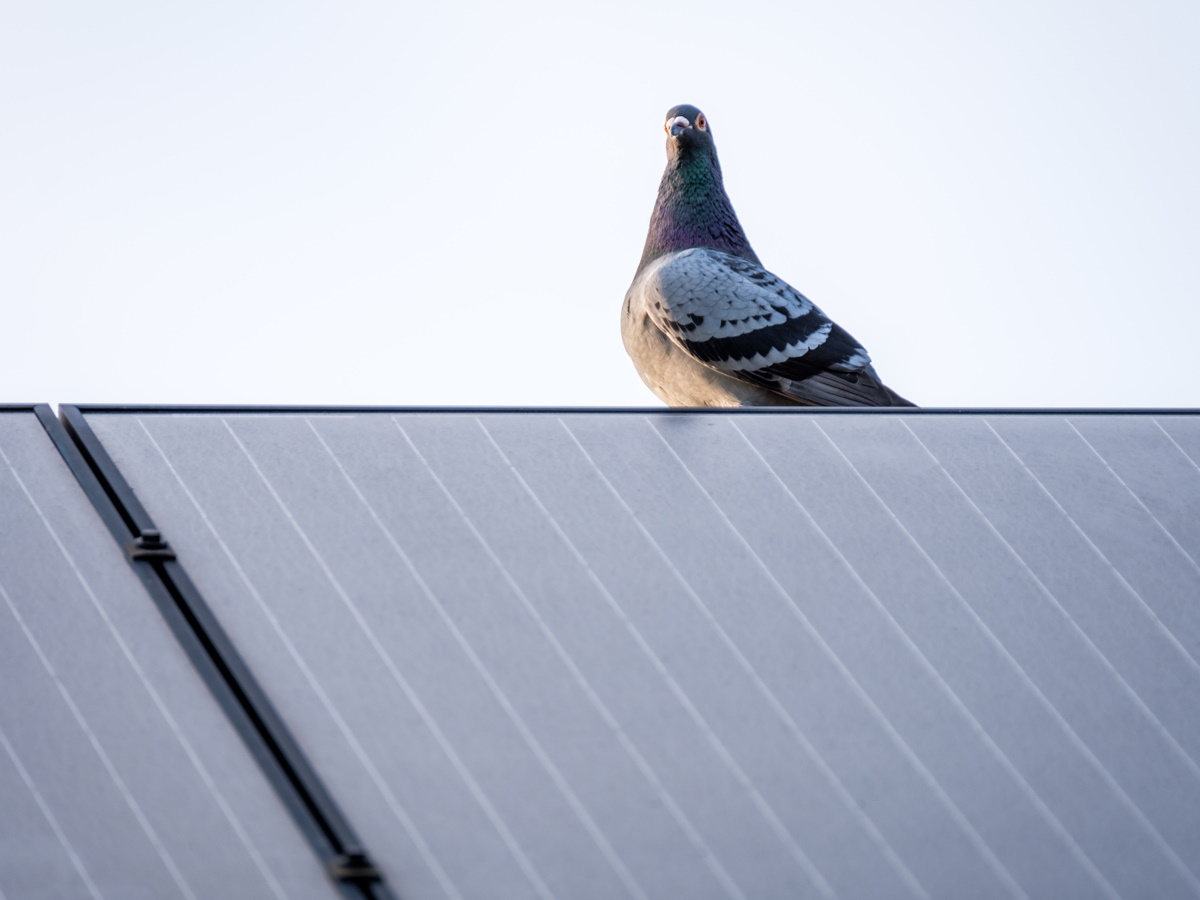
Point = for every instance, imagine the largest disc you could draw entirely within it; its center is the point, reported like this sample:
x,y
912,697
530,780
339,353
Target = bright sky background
x,y
388,203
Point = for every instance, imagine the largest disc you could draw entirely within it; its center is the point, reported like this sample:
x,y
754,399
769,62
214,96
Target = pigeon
x,y
707,325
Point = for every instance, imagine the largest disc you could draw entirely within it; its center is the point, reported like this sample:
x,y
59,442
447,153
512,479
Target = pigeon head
x,y
687,131
692,209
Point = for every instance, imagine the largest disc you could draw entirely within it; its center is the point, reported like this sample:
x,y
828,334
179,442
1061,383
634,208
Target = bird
x,y
707,325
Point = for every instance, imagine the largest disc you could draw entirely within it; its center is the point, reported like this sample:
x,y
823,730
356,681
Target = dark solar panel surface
x,y
119,774
599,655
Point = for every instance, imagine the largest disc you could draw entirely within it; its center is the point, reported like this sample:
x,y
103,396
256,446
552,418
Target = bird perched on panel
x,y
707,325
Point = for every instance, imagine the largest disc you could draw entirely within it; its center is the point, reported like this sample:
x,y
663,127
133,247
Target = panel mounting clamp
x,y
148,546
352,865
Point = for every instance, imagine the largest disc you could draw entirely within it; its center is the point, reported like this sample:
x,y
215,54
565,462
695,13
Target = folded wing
x,y
735,316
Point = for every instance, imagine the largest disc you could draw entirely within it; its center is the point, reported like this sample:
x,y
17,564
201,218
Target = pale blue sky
x,y
382,204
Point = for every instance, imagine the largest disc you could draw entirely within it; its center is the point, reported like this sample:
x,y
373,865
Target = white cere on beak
x,y
677,121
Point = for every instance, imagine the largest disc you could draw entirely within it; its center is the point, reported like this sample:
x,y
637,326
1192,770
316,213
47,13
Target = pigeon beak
x,y
677,126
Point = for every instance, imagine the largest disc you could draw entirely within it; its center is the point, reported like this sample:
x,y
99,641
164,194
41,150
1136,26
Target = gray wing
x,y
735,316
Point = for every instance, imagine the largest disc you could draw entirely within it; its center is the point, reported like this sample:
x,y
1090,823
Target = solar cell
x,y
729,655
120,775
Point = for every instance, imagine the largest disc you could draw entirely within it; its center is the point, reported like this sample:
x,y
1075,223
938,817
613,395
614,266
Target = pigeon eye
x,y
701,124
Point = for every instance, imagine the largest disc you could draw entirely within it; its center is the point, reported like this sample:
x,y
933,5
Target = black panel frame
x,y
218,662
252,409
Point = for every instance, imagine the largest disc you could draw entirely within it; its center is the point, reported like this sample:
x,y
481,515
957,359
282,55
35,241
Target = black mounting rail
x,y
213,654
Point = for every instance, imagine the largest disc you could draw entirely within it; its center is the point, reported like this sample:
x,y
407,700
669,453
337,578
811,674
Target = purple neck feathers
x,y
693,210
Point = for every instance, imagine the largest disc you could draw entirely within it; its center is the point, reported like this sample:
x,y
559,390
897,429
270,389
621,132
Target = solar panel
x,y
120,776
715,655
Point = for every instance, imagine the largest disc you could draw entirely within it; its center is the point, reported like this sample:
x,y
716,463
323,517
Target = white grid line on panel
x,y
1125,799
1134,495
973,837
130,801
1057,606
151,834
606,849
1142,604
844,795
659,666
756,798
347,734
76,862
205,777
476,790
1125,686
1075,739
685,824
1167,434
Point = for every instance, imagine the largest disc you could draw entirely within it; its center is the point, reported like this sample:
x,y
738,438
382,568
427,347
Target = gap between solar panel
x,y
210,650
